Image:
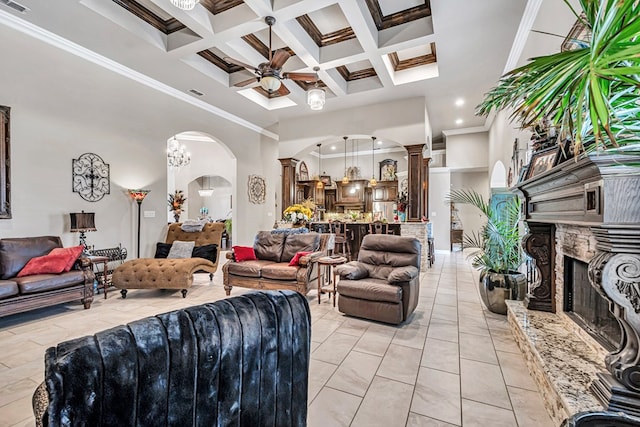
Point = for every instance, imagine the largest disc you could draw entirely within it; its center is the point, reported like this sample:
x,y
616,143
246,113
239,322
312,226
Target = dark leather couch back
x,y
15,252
239,361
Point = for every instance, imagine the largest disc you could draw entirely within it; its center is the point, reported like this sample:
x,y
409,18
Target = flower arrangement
x,y
297,213
402,201
176,201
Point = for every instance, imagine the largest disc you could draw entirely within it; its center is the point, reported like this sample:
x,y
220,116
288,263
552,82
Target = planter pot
x,y
496,288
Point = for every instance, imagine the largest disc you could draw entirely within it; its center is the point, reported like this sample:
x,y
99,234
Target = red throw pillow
x,y
296,258
46,264
71,255
244,253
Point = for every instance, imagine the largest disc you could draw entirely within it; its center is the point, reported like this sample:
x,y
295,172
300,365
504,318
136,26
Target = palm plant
x,y
590,93
497,243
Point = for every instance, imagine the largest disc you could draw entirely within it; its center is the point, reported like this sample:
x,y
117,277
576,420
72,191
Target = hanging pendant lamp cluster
x,y
319,184
345,179
372,181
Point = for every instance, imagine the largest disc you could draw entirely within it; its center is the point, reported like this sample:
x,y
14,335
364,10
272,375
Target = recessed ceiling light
x,y
459,121
333,147
459,102
379,142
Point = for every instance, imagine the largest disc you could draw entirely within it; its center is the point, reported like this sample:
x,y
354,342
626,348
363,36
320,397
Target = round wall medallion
x,y
90,177
257,189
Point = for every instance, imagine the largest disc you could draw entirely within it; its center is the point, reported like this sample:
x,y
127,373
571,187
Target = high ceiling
x,y
367,51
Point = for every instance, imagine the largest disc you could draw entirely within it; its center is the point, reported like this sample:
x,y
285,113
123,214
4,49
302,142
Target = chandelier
x,y
185,4
177,156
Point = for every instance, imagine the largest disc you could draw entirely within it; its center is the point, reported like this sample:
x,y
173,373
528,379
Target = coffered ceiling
x,y
367,51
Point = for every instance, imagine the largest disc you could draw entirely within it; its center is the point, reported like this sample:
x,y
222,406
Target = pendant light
x,y
319,184
373,181
354,160
345,178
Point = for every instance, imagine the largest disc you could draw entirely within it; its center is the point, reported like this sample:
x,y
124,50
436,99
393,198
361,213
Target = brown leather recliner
x,y
384,283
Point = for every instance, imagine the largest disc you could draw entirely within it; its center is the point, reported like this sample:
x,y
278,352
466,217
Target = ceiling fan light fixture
x,y
185,4
270,83
316,98
316,95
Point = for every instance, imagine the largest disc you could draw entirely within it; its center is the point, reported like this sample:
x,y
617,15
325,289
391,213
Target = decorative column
x,y
288,179
425,186
539,244
414,165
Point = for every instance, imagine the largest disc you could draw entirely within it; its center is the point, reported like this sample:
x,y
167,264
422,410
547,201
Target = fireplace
x,y
583,220
587,307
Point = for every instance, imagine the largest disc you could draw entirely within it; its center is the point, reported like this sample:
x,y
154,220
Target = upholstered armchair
x,y
384,283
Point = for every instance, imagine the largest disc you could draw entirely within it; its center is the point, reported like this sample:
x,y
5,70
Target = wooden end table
x,y
329,262
101,275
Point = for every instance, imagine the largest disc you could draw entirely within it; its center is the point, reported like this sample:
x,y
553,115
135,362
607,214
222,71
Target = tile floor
x,y
453,364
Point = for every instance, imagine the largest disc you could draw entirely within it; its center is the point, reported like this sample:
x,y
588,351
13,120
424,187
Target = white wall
x,y
468,151
64,112
400,121
472,219
439,185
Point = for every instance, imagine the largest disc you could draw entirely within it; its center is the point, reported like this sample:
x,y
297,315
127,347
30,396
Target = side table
x,y
101,275
329,262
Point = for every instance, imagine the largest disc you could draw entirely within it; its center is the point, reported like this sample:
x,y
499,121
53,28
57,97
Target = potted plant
x,y
589,93
498,253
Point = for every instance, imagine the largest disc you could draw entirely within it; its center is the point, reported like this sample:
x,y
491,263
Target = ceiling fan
x,y
269,74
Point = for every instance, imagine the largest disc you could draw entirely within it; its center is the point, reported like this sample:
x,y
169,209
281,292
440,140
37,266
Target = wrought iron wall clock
x,y
90,177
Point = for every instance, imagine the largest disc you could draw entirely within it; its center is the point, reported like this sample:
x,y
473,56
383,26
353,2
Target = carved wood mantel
x,y
601,192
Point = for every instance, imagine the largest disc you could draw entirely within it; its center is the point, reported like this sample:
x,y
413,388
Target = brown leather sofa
x,y
384,283
272,270
19,294
163,273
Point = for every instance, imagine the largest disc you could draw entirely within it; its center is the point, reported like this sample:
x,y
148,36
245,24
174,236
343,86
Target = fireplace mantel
x,y
599,194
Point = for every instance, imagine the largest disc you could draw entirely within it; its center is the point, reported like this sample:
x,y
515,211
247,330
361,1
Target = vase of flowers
x,y
176,201
297,214
401,204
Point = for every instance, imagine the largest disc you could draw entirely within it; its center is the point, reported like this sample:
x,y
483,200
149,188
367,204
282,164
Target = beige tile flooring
x,y
452,364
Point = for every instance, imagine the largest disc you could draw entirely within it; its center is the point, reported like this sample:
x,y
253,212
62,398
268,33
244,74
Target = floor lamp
x,y
138,196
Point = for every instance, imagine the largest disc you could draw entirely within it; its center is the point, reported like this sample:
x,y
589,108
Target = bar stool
x,y
378,227
343,238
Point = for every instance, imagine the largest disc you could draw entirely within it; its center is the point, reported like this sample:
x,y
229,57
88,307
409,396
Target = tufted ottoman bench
x,y
151,273
170,273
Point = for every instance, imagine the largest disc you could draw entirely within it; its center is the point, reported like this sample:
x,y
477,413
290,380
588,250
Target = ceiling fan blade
x,y
279,58
283,91
247,82
305,77
240,64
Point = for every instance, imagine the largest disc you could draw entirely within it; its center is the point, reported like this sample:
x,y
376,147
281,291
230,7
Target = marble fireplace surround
x,y
588,210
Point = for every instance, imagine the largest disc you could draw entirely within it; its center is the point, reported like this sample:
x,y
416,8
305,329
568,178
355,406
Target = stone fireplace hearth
x,y
579,213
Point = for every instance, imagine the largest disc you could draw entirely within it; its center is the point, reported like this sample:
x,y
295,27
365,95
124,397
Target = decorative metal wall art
x,y
257,189
90,177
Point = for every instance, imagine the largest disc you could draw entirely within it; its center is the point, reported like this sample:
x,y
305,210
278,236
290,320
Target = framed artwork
x,y
304,172
388,170
326,180
90,177
542,162
256,188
